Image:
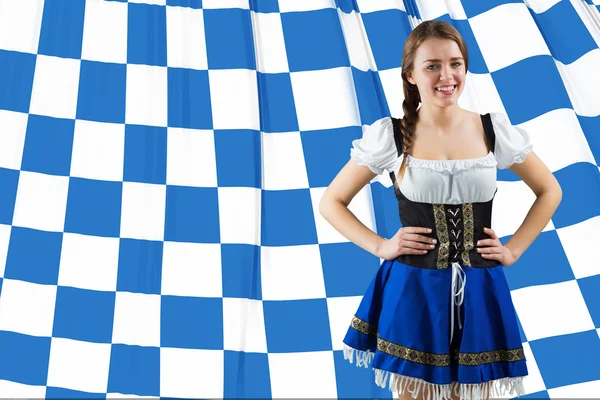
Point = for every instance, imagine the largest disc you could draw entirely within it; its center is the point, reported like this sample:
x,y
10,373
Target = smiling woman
x,y
420,324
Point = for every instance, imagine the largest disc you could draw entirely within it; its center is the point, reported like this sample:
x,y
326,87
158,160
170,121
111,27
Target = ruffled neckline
x,y
452,166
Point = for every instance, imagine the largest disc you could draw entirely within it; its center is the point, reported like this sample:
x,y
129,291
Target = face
x,y
438,64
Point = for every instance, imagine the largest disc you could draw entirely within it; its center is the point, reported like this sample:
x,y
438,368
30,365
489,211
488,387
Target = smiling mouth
x,y
446,89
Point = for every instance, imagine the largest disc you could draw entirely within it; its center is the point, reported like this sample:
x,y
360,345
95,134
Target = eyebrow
x,y
436,60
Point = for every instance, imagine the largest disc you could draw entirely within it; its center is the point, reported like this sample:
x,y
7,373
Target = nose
x,y
445,73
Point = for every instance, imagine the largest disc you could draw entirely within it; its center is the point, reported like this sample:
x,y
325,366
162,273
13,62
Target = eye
x,y
430,67
457,64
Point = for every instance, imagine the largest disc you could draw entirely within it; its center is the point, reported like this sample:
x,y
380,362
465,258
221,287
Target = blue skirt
x,y
410,330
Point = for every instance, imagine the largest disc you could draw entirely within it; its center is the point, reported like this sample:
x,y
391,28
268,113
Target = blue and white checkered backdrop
x,y
161,164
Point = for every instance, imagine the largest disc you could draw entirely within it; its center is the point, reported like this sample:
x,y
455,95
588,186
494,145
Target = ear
x,y
409,77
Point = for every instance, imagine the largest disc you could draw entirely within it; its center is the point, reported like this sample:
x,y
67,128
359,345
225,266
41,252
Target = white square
x,y
455,9
4,242
533,382
186,42
20,24
13,126
89,262
481,95
547,134
27,308
583,390
244,325
78,365
357,44
325,99
105,32
147,95
137,319
283,162
98,150
552,310
302,5
316,367
271,55
367,6
41,201
575,238
582,82
431,9
234,99
341,310
292,273
191,158
511,205
391,81
239,215
128,396
521,41
192,269
155,2
55,87
143,211
361,206
191,373
16,390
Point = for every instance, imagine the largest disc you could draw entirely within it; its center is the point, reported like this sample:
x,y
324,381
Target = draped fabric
x,y
161,166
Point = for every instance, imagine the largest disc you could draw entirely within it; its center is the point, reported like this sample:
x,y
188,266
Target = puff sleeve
x,y
376,149
512,142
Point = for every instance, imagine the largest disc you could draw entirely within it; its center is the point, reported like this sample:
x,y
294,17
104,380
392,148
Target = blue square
x,y
9,180
580,185
530,88
247,375
192,215
229,39
62,28
28,355
147,34
591,127
60,393
476,7
145,154
191,322
189,99
567,38
387,31
140,266
16,80
94,207
134,370
536,396
238,158
48,145
102,92
321,170
568,359
347,269
241,271
356,382
277,102
287,328
39,266
85,315
185,3
347,6
385,208
264,6
314,40
589,289
477,63
544,262
372,104
279,226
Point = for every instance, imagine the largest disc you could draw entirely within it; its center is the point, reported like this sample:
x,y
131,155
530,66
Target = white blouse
x,y
442,181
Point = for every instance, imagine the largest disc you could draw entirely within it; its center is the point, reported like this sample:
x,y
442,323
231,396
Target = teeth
x,y
446,89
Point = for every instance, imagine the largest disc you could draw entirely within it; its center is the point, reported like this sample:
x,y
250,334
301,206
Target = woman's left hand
x,y
492,249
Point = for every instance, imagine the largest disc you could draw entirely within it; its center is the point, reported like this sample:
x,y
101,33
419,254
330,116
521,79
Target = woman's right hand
x,y
408,240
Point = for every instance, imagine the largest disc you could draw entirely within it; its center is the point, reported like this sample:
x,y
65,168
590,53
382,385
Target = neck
x,y
440,118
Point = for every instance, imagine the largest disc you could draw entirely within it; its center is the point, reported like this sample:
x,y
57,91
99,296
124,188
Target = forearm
x,y
536,220
345,222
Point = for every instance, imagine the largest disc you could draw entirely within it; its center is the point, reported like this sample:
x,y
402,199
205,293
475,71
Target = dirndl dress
x,y
442,323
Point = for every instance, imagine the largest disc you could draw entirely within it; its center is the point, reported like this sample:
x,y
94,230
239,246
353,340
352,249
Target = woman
x,y
438,320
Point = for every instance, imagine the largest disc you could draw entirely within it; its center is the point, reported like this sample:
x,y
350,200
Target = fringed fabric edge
x,y
431,391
